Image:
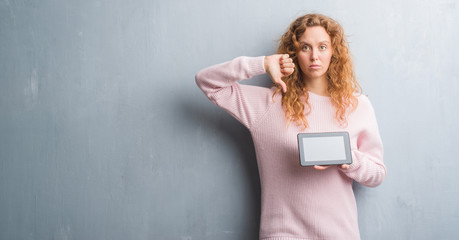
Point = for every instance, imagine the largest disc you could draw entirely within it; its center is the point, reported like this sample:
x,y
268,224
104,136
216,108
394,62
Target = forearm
x,y
220,84
214,79
367,170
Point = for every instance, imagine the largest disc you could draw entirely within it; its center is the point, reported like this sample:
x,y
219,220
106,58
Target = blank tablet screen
x,y
324,148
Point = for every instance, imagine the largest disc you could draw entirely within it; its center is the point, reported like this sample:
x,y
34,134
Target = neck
x,y
318,86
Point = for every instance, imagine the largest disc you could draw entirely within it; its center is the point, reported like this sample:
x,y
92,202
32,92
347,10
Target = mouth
x,y
314,66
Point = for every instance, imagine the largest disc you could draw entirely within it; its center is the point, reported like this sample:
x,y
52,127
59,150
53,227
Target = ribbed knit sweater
x,y
298,202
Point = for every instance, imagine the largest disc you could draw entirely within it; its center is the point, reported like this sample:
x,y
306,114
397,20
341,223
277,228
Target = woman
x,y
315,91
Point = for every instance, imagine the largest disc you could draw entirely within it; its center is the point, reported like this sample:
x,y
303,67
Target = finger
x,y
288,68
287,71
318,167
286,60
283,58
345,166
288,65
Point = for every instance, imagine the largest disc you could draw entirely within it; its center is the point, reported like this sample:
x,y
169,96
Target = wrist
x,y
265,63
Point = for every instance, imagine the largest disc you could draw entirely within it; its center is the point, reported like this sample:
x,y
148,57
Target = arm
x,y
246,103
368,167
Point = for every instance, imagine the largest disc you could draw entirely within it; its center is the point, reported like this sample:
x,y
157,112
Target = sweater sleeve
x,y
367,167
220,84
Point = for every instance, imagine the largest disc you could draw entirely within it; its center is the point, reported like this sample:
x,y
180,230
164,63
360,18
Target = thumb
x,y
278,81
282,84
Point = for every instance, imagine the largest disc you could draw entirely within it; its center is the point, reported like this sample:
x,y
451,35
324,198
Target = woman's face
x,y
315,53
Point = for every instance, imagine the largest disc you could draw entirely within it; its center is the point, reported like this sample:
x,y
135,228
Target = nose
x,y
314,54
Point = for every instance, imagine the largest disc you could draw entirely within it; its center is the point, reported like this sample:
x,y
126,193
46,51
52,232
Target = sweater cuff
x,y
355,163
256,65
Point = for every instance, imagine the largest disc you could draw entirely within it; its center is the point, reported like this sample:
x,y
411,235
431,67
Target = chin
x,y
314,76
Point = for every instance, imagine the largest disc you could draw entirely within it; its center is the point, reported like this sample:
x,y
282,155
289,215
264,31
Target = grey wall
x,y
104,135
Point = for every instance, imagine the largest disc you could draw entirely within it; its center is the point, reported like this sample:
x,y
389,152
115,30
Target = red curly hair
x,y
342,84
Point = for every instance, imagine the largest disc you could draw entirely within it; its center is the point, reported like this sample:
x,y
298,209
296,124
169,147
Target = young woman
x,y
315,91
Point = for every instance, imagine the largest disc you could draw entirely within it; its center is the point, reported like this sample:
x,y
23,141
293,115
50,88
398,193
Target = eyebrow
x,y
327,42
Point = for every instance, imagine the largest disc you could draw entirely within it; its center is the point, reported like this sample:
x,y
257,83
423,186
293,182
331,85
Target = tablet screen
x,y
324,148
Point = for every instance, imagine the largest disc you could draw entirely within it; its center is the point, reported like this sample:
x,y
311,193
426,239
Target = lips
x,y
314,66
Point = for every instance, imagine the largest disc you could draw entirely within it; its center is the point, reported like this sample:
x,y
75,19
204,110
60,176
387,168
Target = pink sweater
x,y
298,202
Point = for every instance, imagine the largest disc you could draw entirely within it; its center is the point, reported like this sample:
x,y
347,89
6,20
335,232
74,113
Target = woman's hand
x,y
343,166
278,66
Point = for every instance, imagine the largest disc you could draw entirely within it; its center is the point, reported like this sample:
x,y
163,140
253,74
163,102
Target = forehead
x,y
315,34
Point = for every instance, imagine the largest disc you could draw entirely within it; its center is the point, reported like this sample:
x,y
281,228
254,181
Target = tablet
x,y
326,148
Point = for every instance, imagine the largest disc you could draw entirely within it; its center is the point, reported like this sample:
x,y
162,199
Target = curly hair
x,y
342,83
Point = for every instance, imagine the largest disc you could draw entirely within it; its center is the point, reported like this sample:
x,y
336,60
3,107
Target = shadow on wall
x,y
359,190
229,130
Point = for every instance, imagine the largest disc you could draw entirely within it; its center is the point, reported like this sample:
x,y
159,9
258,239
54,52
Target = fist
x,y
278,66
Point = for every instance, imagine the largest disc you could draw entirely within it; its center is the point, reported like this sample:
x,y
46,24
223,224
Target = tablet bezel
x,y
347,148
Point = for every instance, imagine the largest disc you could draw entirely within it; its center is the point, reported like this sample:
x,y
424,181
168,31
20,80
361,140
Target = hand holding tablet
x,y
323,149
320,167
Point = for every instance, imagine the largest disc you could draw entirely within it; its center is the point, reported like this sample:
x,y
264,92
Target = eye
x,y
323,47
305,48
